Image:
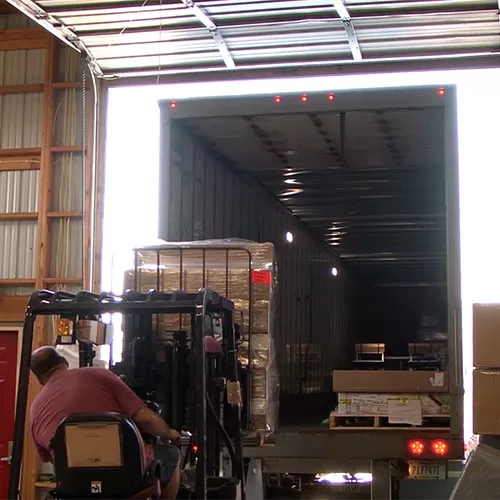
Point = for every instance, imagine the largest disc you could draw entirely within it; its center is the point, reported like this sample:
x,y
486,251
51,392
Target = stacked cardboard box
x,y
243,271
380,381
353,404
486,377
402,396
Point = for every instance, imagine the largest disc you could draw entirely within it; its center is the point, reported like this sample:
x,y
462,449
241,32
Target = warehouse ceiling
x,y
187,39
370,183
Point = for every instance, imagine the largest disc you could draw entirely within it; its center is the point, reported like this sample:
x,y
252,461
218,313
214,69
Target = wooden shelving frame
x,y
43,159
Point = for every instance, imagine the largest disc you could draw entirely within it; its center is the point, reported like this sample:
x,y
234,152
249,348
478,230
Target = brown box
x,y
486,402
486,335
390,381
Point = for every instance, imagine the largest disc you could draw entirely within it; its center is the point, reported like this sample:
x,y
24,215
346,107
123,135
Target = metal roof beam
x,y
56,28
352,38
204,18
35,13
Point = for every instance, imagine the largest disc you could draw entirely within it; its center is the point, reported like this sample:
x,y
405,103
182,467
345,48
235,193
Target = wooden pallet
x,y
366,422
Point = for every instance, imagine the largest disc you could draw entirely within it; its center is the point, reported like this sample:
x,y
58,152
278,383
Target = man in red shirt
x,y
86,390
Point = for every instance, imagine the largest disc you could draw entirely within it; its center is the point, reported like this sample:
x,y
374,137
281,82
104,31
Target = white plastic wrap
x,y
244,272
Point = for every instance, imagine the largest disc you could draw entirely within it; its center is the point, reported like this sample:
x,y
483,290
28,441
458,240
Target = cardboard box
x,y
486,335
390,381
243,271
377,404
486,402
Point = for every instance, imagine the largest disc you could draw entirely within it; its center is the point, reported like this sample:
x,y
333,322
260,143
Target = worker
x,y
91,389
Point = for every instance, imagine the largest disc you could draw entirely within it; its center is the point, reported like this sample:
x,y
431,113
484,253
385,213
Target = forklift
x,y
191,378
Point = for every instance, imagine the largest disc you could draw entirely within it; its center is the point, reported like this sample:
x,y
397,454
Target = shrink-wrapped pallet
x,y
244,272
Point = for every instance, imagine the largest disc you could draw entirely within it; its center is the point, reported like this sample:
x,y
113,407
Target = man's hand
x,y
174,436
151,423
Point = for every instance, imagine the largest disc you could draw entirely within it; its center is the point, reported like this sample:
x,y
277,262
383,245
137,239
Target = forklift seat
x,y
102,456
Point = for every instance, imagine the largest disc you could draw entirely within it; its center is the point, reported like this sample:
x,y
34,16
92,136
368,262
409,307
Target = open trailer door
x,y
453,274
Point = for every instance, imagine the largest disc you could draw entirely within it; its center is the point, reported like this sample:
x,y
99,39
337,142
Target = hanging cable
x,y
84,169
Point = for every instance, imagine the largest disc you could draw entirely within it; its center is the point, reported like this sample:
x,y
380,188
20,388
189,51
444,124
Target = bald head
x,y
45,361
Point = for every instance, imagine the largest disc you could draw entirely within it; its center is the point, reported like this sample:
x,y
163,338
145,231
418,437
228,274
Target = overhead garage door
x,y
186,39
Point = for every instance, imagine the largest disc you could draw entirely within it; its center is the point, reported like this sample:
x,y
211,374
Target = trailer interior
x,y
369,242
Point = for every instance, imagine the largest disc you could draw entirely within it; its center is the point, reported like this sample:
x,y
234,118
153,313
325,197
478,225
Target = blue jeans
x,y
168,456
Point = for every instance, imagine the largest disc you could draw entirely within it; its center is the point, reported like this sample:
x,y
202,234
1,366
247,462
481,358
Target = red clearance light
x,y
440,91
195,449
416,447
304,98
440,447
277,99
173,104
331,96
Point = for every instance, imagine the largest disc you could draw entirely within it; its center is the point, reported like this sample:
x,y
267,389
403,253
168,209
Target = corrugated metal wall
x,y
44,171
202,197
20,128
21,152
69,168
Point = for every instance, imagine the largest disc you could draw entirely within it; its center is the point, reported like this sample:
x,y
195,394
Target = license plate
x,y
427,470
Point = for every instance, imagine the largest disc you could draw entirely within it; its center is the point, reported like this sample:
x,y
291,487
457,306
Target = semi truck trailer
x,y
358,192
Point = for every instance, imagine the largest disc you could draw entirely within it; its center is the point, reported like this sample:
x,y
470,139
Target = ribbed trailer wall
x,y
203,196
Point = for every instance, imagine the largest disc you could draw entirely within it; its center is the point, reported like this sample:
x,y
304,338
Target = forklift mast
x,y
198,385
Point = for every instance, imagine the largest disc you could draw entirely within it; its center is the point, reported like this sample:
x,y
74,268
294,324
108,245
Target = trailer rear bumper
x,y
323,451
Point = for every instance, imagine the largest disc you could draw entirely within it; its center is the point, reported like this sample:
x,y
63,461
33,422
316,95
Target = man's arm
x,y
43,453
131,405
151,423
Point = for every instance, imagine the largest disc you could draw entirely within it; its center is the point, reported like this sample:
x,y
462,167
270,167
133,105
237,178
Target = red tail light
x,y
277,99
416,447
173,104
304,98
331,96
440,447
195,449
440,91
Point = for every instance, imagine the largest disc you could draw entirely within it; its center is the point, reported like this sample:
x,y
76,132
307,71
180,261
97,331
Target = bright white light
x,y
363,477
290,181
289,237
477,111
334,271
291,192
344,477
